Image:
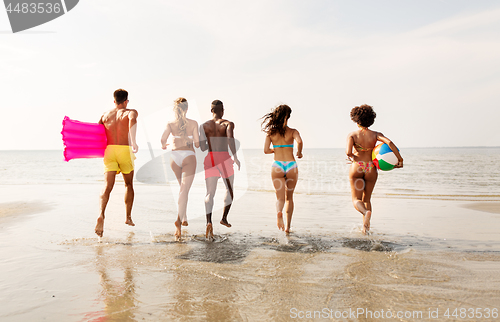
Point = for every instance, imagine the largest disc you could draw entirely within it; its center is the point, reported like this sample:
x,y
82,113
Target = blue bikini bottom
x,y
286,166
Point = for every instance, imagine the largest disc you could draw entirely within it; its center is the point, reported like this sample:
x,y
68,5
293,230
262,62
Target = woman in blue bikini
x,y
284,171
183,159
363,173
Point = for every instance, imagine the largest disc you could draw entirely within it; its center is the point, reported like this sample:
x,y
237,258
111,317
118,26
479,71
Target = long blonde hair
x,y
180,109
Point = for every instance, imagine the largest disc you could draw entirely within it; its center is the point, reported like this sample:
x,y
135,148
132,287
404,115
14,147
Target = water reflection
x,y
200,288
118,290
242,277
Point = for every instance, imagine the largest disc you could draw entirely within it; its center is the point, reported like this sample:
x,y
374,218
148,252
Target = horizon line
x,y
414,147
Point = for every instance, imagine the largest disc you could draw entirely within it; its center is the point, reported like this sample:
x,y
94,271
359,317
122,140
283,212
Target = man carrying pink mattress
x,y
120,126
217,135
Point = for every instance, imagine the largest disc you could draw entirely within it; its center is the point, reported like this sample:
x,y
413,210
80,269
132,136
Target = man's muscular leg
x,y
228,200
211,183
129,196
109,182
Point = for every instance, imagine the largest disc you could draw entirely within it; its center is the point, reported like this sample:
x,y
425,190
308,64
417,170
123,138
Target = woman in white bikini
x,y
284,171
183,162
363,173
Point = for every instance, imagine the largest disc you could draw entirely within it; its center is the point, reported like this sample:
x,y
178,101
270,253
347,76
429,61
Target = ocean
x,y
434,173
434,249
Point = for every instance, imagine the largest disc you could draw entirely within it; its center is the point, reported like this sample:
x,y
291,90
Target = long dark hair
x,y
274,122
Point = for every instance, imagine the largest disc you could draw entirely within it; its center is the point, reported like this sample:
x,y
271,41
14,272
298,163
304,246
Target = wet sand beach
x,y
18,210
493,207
416,260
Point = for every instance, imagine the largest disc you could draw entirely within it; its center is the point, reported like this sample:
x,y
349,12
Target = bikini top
x,y
283,146
361,148
180,137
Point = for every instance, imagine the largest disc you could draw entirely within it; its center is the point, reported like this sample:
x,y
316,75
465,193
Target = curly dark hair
x,y
274,122
363,115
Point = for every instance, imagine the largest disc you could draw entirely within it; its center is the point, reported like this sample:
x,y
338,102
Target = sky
x,y
430,69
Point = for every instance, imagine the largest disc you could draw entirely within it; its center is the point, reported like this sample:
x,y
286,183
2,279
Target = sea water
x,y
455,173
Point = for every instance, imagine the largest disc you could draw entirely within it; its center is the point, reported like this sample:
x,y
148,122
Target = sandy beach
x,y
492,207
54,268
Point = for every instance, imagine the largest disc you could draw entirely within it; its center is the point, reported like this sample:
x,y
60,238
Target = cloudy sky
x,y
431,69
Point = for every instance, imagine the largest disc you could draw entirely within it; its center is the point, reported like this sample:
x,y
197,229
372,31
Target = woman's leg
x,y
278,177
291,181
188,172
357,188
177,170
178,174
358,185
370,180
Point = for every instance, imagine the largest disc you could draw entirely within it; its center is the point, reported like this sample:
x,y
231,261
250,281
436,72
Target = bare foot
x,y
281,224
99,228
129,221
287,231
366,222
225,223
184,223
210,232
177,230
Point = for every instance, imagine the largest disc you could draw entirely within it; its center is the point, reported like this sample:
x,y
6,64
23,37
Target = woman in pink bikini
x,y
363,173
284,171
183,159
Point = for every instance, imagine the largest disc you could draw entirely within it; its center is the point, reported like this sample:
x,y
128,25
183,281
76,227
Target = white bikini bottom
x,y
179,155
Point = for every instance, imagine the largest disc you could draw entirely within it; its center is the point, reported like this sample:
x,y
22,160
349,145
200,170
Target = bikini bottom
x,y
365,166
179,155
285,166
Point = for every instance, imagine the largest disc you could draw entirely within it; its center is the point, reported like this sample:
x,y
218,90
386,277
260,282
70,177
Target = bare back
x,y
363,142
217,134
180,142
117,123
284,153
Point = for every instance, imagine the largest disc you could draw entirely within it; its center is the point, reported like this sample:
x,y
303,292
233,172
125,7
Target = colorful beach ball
x,y
383,157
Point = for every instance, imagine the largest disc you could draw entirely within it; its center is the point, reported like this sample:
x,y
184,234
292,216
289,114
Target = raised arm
x,y
165,136
296,136
267,145
132,125
196,136
203,139
232,143
382,138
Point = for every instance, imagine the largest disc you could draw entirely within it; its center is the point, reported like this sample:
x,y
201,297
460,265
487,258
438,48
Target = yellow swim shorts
x,y
119,158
